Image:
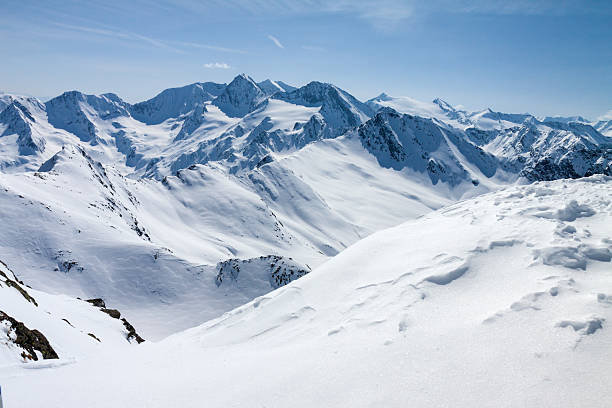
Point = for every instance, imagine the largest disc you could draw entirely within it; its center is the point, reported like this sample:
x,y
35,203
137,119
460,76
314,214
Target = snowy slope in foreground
x,y
503,300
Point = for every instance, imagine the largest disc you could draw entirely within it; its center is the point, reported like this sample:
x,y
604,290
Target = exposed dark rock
x,y
97,302
13,284
132,332
30,340
114,313
281,270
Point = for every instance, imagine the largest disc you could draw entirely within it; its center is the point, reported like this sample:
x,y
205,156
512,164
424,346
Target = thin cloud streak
x,y
275,41
173,46
208,47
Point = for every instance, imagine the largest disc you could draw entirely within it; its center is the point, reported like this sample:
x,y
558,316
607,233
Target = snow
x,y
66,321
457,308
194,213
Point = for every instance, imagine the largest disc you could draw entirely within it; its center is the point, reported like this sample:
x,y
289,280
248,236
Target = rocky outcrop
x,y
31,341
131,334
278,270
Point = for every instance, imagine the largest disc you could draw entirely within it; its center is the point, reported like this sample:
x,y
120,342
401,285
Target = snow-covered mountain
x,y
604,127
272,87
186,206
503,300
174,102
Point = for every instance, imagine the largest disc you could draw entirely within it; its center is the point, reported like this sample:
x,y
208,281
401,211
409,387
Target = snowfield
x,y
257,244
501,300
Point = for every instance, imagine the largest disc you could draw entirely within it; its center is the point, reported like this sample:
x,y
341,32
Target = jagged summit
x,y
76,112
443,104
240,97
271,87
19,118
340,110
404,141
564,119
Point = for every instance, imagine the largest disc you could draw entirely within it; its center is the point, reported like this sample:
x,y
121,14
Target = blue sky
x,y
544,57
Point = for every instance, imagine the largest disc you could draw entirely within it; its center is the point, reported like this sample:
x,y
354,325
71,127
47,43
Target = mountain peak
x,y
240,97
271,87
18,117
174,102
445,106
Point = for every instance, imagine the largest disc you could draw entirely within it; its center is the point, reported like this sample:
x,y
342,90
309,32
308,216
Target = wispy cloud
x,y
275,41
520,7
208,47
118,34
112,32
391,14
606,116
217,65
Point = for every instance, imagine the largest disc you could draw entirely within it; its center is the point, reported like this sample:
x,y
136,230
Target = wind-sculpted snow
x,y
487,289
206,206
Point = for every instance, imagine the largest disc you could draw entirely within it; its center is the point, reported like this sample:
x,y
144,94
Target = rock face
x,y
14,283
534,150
115,314
405,141
277,270
550,150
18,119
174,102
340,110
33,342
77,113
240,97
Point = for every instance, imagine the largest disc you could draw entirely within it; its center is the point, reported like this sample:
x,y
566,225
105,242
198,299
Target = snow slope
x,y
138,204
73,328
502,300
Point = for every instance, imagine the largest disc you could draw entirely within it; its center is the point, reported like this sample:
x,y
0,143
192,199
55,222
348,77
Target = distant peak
x,y
270,87
243,77
443,104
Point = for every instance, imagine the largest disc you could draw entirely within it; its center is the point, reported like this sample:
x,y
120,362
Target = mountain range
x,y
129,222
